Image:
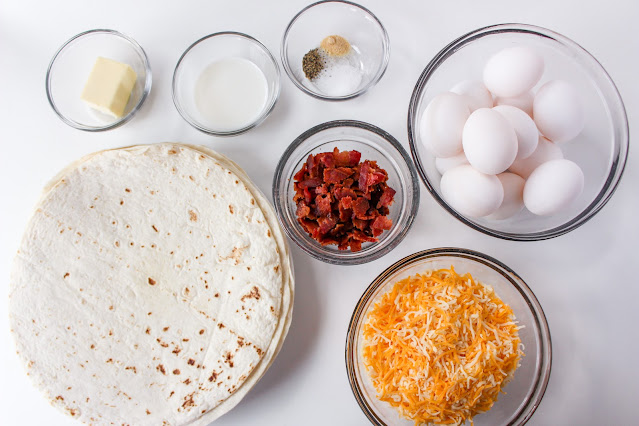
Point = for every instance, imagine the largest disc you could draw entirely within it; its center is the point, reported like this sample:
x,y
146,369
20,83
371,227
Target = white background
x,y
586,281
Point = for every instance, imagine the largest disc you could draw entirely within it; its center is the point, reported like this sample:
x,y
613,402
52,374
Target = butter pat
x,y
109,86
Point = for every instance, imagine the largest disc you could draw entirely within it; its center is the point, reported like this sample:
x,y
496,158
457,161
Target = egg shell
x,y
524,102
553,187
525,129
513,201
558,111
475,92
513,71
445,164
471,193
546,151
442,124
489,141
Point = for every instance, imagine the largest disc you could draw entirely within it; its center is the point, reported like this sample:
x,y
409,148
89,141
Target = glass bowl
x,y
70,68
523,393
366,34
215,47
374,144
600,150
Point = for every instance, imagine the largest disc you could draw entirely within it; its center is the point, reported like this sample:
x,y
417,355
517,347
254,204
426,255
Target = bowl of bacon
x,y
346,192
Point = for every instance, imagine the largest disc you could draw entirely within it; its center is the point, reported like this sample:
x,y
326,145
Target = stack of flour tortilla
x,y
153,286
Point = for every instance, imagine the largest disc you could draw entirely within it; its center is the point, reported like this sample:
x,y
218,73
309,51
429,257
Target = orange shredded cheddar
x,y
439,347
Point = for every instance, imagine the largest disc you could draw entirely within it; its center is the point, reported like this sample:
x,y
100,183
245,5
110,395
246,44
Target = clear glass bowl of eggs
x,y
518,132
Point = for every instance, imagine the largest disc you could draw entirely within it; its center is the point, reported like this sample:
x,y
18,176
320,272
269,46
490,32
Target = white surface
x,y
586,281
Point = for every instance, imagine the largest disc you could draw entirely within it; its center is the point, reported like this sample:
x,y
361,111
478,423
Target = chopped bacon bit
x,y
387,197
347,158
343,192
341,200
302,210
323,203
360,207
337,175
382,222
311,183
360,224
345,209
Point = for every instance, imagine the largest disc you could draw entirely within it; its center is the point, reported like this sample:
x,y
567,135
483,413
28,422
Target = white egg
x,y
513,196
476,94
524,102
442,124
546,151
445,164
553,187
489,141
525,129
470,192
558,111
513,71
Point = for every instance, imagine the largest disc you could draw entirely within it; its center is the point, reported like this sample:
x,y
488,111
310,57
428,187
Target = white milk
x,y
231,93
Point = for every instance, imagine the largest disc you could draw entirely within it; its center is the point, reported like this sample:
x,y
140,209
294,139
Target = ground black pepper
x,y
312,64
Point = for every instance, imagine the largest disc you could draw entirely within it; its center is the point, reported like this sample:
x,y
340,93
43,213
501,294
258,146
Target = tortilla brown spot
x,y
188,400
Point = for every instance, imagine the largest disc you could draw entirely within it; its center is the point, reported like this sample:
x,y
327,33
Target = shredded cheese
x,y
439,347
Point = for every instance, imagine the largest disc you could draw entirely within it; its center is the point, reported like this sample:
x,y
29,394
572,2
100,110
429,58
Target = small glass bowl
x,y
213,47
374,144
70,68
358,25
600,150
523,393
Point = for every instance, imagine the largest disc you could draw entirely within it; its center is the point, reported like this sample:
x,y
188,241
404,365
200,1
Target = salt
x,y
341,76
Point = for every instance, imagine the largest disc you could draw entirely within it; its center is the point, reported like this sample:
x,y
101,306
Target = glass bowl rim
x,y
148,81
520,285
378,76
338,258
265,113
614,174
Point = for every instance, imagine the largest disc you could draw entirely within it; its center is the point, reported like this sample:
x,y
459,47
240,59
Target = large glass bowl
x,y
600,150
358,25
523,393
70,68
374,144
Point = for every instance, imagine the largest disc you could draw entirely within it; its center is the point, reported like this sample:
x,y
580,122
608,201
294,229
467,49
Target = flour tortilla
x,y
153,285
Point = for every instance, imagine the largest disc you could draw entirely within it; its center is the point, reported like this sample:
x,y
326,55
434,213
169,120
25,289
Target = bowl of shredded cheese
x,y
448,336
